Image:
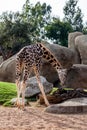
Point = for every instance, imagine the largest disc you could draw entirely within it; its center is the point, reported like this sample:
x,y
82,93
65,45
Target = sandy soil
x,y
34,118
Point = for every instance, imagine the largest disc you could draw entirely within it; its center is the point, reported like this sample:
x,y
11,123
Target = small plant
x,y
53,90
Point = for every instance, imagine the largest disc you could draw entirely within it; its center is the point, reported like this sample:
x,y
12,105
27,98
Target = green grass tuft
x,y
7,92
53,90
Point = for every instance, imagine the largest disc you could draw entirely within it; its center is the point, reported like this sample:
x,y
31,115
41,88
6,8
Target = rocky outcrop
x,y
1,59
71,39
65,57
33,88
72,46
71,106
63,54
81,45
7,70
77,77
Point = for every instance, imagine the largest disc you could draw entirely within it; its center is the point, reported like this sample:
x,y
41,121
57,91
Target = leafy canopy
x,y
73,15
58,31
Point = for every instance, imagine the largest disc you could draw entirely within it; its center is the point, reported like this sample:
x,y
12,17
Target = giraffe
x,y
28,58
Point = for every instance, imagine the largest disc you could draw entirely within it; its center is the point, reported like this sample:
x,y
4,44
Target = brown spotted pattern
x,y
31,56
28,58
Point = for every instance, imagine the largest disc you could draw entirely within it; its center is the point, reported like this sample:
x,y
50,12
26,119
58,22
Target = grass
x,y
7,92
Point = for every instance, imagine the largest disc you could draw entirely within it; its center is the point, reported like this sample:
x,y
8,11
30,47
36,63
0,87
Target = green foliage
x,y
73,15
7,92
34,23
53,90
20,29
14,34
38,16
58,31
85,29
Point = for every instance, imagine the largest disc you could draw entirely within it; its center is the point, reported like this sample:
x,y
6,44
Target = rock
x,y
49,72
81,45
71,45
7,70
71,106
77,77
1,59
33,89
63,54
71,39
65,57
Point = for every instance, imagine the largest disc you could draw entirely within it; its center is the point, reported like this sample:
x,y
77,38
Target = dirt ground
x,y
34,118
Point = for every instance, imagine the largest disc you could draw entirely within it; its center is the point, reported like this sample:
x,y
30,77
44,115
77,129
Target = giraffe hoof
x,y
24,109
19,104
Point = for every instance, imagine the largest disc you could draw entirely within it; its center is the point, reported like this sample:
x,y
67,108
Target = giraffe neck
x,y
50,57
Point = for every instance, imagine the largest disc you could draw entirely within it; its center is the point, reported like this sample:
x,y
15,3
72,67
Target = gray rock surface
x,y
71,45
7,70
1,59
71,106
63,54
33,88
77,77
81,45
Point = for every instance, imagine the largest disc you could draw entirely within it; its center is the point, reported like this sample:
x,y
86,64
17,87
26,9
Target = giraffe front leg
x,y
41,87
43,93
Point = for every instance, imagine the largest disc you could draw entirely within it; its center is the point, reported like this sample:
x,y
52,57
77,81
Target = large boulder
x,y
33,88
1,59
65,57
72,46
71,106
77,77
7,70
63,54
81,45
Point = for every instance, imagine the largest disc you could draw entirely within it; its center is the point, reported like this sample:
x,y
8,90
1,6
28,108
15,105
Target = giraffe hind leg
x,y
17,103
19,68
21,92
23,84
